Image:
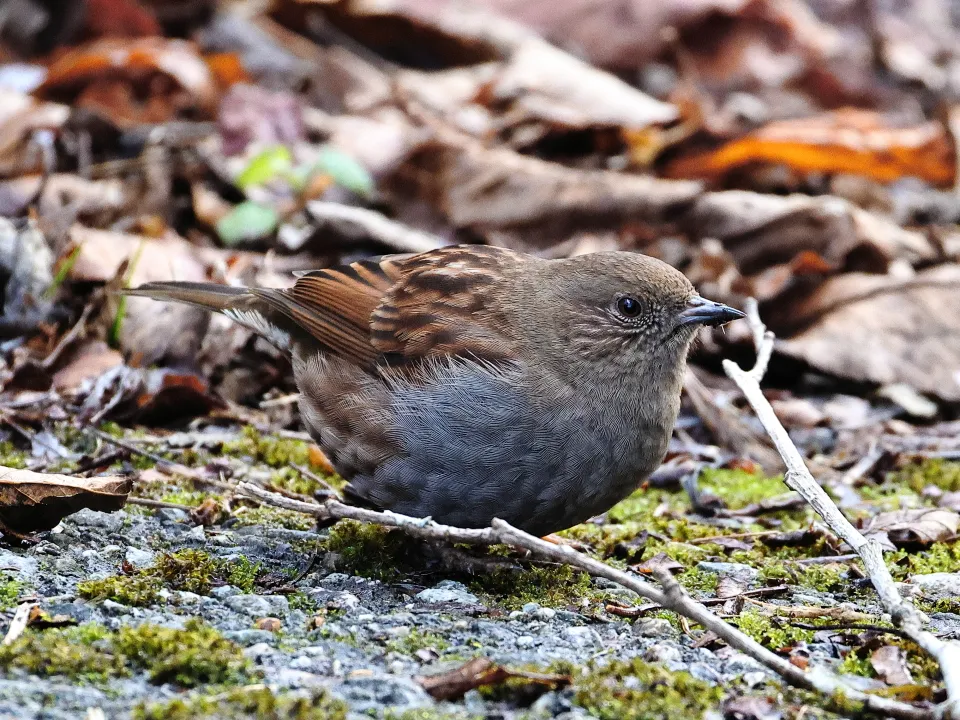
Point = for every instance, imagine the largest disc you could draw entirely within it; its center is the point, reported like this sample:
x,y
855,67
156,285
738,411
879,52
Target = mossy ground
x,y
90,653
651,521
255,703
186,570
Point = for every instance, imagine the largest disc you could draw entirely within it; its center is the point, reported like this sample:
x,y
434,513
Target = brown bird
x,y
473,382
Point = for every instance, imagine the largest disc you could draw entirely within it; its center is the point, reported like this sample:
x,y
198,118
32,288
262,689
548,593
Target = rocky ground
x,y
148,612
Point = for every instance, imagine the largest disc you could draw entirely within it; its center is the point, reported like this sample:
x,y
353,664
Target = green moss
x,y
256,702
940,473
430,714
12,457
195,655
939,557
90,653
550,586
81,653
303,602
853,664
268,516
10,592
738,488
415,640
370,550
275,452
186,570
241,573
135,590
698,581
636,690
770,632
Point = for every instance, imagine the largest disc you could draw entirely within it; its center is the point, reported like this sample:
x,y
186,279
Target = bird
x,y
474,382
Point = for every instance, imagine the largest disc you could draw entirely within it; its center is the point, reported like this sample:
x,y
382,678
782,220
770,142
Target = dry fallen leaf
x,y
31,501
845,141
911,527
880,329
890,664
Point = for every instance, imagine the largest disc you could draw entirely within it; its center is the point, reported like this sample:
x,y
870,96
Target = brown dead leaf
x,y
845,141
543,83
761,231
89,361
920,526
660,561
525,202
31,501
482,672
21,116
133,80
880,329
890,664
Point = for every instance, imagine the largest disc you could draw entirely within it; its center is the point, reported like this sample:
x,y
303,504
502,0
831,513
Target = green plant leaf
x,y
264,167
345,171
247,221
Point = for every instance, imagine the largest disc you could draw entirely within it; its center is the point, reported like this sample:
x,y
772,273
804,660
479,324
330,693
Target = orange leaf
x,y
844,141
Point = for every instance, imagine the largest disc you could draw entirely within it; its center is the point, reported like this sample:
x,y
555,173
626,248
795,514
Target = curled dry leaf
x,y
880,329
921,526
31,501
482,672
846,141
21,116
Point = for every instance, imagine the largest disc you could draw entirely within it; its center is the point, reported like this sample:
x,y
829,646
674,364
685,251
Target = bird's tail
x,y
206,295
261,310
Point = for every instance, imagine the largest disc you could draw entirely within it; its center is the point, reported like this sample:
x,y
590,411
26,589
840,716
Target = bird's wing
x,y
402,307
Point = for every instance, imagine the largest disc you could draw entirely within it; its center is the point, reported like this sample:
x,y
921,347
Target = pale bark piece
x,y
31,501
878,329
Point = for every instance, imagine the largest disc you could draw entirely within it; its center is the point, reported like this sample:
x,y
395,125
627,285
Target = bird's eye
x,y
628,306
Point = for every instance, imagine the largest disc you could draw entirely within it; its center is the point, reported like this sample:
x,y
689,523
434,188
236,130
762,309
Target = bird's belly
x,y
479,445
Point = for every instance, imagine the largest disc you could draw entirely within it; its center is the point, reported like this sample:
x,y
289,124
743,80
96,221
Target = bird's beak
x,y
700,311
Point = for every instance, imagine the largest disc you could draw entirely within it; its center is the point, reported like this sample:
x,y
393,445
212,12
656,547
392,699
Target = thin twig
x,y
797,477
853,626
21,618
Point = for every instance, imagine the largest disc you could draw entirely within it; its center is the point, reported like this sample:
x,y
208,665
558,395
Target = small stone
x,y
250,638
702,671
198,533
258,652
581,636
530,608
661,652
447,591
654,628
743,574
525,641
938,586
172,515
335,579
110,522
545,614
110,549
270,624
259,605
514,614
224,591
375,692
139,558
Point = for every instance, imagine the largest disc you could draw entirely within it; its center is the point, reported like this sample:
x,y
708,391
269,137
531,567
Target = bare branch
x,y
797,477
